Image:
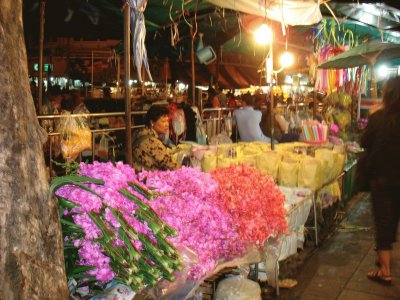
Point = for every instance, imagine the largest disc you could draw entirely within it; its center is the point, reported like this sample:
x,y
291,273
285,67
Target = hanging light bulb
x,y
263,34
286,59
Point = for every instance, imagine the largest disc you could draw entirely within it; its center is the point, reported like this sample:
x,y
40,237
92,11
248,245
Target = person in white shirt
x,y
247,120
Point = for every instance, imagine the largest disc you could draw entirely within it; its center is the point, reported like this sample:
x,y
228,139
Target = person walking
x,y
381,170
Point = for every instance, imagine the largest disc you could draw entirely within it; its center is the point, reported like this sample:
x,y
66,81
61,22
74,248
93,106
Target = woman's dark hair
x,y
391,96
391,105
154,113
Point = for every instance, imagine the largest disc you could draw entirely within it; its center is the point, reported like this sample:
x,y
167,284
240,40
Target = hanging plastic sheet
x,y
289,12
138,31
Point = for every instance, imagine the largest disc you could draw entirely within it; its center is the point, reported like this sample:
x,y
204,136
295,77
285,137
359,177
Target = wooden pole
x,y
128,120
40,69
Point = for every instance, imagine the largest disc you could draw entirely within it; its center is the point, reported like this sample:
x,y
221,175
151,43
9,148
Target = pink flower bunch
x,y
334,129
91,254
253,200
188,206
115,178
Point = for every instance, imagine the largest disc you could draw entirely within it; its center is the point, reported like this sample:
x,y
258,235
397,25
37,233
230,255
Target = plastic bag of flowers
x,y
182,286
110,231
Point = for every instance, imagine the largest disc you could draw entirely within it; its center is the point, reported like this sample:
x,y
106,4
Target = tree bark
x,y
31,249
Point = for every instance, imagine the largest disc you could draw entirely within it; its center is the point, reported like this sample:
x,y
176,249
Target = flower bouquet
x,y
254,202
188,204
116,233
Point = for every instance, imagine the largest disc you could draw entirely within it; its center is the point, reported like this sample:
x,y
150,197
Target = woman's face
x,y
161,126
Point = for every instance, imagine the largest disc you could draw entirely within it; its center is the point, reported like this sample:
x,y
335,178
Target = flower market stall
x,y
167,230
164,232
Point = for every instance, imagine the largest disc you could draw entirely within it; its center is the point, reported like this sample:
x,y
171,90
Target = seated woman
x,y
281,126
148,150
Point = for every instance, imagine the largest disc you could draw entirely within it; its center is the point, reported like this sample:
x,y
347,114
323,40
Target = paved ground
x,y
337,269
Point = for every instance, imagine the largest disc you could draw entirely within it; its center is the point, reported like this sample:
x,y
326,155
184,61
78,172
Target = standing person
x,y
381,168
149,152
213,100
248,120
231,100
182,121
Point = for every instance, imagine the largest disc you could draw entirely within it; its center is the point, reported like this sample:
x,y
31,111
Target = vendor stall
x,y
164,232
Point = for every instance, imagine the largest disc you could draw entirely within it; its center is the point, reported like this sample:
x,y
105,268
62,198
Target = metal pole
x,y
272,113
92,73
217,66
193,68
41,38
128,120
315,103
118,72
166,77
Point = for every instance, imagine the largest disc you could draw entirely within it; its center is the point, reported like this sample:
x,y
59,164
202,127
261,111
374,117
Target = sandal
x,y
378,277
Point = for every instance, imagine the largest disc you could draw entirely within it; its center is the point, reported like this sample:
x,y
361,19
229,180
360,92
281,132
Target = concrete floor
x,y
338,268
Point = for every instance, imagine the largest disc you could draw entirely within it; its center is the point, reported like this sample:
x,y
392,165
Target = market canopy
x,y
365,54
289,12
223,22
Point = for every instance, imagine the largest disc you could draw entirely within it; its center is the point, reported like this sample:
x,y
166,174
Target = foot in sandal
x,y
377,276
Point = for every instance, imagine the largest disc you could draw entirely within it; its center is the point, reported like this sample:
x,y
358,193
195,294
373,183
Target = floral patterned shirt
x,y
150,153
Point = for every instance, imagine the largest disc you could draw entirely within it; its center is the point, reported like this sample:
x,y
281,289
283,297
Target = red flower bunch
x,y
254,201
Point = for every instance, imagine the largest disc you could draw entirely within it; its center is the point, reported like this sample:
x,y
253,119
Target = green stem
x,y
142,190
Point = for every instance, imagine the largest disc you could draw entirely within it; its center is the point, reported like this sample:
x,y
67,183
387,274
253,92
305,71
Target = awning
x,y
289,12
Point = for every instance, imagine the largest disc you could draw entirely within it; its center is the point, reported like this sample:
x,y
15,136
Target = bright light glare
x,y
181,86
288,79
382,71
263,35
286,59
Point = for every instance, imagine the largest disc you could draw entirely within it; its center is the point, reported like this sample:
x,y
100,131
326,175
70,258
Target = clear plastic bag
x,y
221,138
116,291
75,136
238,288
102,150
180,288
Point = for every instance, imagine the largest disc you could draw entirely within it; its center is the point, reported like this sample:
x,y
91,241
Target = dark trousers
x,y
386,208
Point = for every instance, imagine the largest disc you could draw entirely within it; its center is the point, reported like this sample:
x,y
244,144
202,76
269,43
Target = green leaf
x,y
100,224
142,190
81,269
76,180
133,253
135,199
65,203
71,226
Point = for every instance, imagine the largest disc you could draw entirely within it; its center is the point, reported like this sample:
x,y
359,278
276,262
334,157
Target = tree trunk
x,y
31,249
